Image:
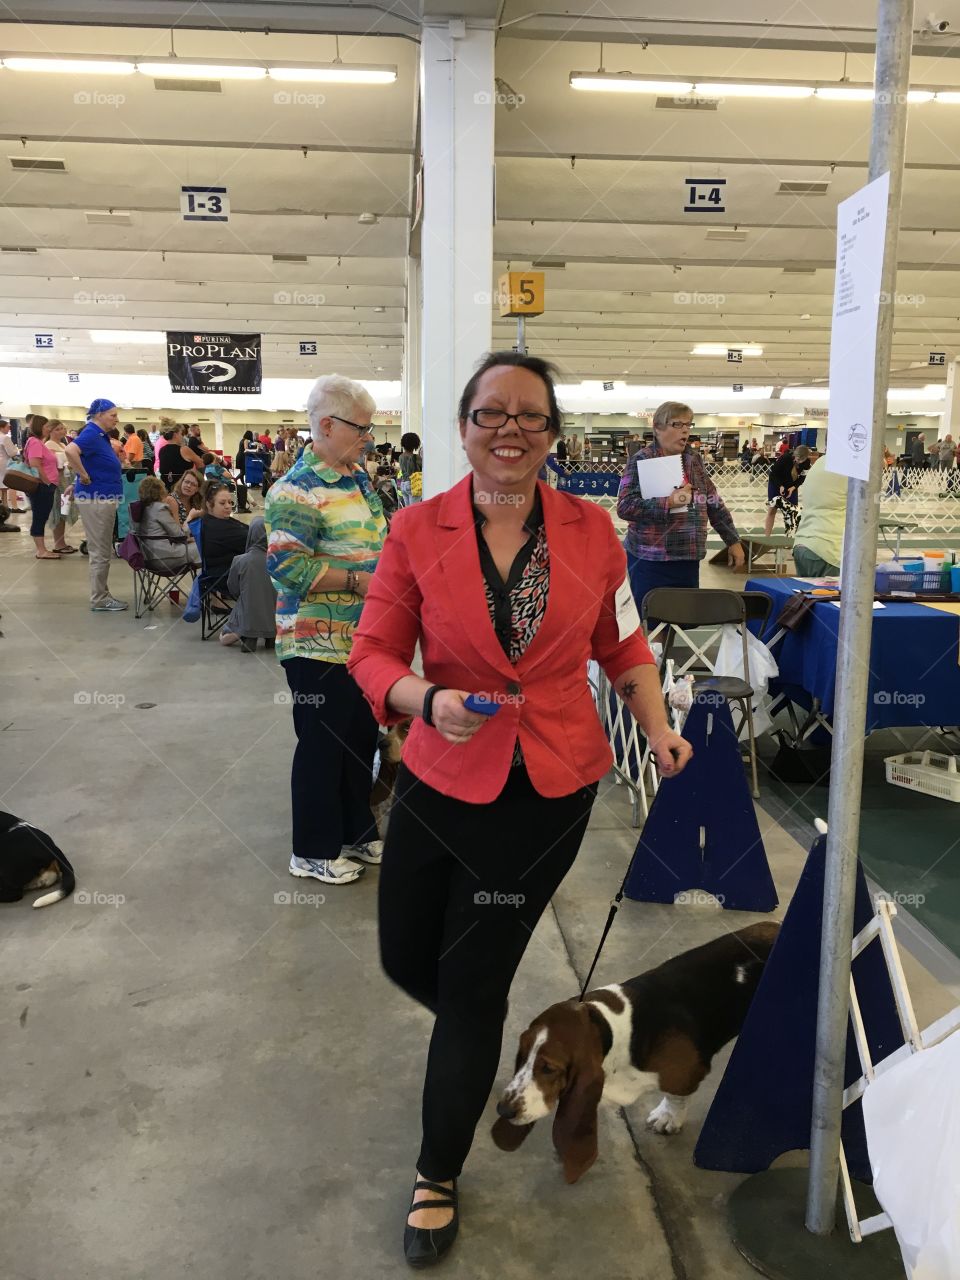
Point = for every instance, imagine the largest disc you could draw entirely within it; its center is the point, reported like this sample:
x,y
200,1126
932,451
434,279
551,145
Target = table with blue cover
x,y
914,659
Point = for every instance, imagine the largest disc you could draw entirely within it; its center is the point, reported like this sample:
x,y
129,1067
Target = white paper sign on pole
x,y
861,230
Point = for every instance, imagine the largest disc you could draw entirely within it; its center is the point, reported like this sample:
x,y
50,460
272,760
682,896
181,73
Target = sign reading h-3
x,y
705,195
308,348
204,204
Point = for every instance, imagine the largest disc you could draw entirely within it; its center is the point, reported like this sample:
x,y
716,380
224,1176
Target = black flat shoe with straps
x,y
423,1246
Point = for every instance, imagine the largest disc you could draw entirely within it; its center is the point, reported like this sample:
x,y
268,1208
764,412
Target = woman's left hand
x,y
672,752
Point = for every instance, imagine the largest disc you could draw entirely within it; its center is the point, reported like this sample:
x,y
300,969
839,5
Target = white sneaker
x,y
371,852
329,870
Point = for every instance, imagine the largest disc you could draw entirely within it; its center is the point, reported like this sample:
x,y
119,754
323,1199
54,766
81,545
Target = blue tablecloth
x,y
914,668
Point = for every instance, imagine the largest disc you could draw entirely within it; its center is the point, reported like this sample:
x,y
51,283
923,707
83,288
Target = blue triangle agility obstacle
x,y
702,831
764,1104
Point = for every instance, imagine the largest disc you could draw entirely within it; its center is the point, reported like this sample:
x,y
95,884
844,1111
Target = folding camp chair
x,y
213,585
679,610
151,584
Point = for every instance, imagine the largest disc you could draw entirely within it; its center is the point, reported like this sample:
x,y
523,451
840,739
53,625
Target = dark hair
x,y
113,433
37,423
166,435
544,370
210,494
410,441
129,427
247,435
207,459
143,435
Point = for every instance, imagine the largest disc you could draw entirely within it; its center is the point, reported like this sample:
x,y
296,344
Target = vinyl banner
x,y
223,364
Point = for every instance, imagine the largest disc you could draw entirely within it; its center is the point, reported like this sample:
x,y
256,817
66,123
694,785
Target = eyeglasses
x,y
366,430
492,419
677,425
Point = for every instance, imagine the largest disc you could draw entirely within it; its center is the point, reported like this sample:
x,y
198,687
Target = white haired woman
x,y
667,537
326,529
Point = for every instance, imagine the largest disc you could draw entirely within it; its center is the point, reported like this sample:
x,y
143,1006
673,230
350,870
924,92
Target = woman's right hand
x,y
681,497
451,718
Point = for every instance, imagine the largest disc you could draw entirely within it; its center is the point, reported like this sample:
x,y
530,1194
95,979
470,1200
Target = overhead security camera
x,y
935,26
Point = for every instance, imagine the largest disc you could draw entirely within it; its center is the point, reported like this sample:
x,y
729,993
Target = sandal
x,y
48,556
66,551
423,1246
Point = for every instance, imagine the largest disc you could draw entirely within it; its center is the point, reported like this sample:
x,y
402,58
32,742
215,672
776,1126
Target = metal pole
x,y
521,335
891,82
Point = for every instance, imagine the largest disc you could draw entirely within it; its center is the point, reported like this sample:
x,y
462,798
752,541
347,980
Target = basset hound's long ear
x,y
509,1136
575,1124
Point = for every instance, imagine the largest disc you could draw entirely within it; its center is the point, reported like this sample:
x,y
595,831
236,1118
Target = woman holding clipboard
x,y
667,537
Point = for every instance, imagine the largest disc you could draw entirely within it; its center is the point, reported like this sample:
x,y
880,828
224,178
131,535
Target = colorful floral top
x,y
318,519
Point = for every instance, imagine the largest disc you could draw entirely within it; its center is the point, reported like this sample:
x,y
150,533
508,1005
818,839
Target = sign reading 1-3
x,y
705,195
204,204
521,293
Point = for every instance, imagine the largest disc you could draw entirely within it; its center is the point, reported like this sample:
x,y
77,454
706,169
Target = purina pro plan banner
x,y
224,364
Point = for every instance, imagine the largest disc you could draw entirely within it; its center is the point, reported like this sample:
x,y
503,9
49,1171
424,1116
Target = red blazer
x,y
428,587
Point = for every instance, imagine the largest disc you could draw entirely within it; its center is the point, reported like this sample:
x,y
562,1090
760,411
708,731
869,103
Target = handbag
x,y
130,550
20,475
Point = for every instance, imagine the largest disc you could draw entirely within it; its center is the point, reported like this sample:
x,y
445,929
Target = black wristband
x,y
428,697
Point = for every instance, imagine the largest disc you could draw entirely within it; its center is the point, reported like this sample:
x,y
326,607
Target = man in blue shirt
x,y
98,491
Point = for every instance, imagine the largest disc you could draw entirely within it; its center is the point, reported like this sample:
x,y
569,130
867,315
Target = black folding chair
x,y
152,584
681,609
213,589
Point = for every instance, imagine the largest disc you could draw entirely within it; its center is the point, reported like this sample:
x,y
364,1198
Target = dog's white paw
x,y
667,1117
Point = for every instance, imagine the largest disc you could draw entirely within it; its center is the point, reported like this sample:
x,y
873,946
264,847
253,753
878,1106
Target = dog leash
x,y
611,916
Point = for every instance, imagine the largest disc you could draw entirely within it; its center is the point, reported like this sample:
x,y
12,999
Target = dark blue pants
x,y
332,773
647,574
41,504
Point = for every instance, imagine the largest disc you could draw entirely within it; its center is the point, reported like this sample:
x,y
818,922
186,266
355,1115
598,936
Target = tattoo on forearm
x,y
628,689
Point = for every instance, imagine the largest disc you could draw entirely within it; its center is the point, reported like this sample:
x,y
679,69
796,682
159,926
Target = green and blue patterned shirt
x,y
319,519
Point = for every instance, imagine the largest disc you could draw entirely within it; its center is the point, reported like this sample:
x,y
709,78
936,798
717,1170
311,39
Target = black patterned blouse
x,y
517,606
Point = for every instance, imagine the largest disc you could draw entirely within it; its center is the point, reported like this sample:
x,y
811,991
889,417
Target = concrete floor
x,y
201,1079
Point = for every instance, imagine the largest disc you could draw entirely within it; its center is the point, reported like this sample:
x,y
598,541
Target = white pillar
x,y
950,422
457,97
412,390
218,430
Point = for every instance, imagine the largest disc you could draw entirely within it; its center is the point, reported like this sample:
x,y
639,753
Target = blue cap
x,y
100,406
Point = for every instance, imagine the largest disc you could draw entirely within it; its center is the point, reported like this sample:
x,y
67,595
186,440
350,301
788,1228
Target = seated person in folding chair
x,y
254,616
667,537
166,547
215,471
222,536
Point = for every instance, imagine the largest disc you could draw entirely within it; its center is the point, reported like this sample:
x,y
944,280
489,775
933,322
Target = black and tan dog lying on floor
x,y
30,860
661,1029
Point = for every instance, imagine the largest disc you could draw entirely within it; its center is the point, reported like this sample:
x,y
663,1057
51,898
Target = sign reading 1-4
x,y
204,204
705,195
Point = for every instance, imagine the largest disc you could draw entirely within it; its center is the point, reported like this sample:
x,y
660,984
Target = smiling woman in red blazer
x,y
510,587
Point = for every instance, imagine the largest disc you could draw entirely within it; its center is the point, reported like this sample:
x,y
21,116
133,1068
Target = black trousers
x,y
41,504
332,773
462,887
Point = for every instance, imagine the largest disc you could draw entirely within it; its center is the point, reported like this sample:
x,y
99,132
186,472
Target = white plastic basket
x,y
930,772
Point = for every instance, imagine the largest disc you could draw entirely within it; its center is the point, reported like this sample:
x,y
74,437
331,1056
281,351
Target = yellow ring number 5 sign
x,y
521,293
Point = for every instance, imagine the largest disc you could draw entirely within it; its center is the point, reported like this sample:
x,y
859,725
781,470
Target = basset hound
x,y
660,1029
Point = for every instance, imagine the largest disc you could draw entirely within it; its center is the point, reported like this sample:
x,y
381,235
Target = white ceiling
x,y
593,181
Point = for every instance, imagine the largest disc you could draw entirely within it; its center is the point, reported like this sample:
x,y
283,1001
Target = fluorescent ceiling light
x,y
336,73
947,96
721,349
920,95
86,66
141,336
183,70
625,82
720,90
844,93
